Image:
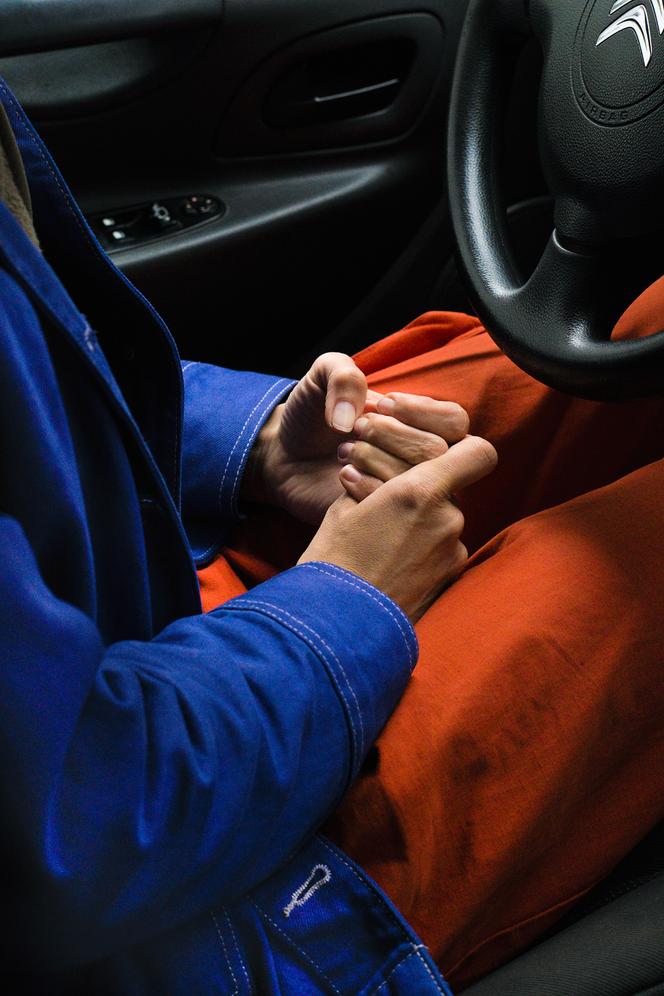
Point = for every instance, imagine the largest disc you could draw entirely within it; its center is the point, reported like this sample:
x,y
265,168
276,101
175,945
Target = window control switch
x,y
135,225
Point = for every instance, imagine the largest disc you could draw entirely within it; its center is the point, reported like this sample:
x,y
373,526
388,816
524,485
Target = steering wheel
x,y
601,137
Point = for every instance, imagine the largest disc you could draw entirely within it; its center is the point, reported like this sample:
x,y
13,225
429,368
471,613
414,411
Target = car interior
x,y
276,177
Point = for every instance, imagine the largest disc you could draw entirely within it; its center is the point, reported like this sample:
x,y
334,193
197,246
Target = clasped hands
x,y
377,474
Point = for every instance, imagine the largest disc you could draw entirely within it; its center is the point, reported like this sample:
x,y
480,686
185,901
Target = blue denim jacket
x,y
163,772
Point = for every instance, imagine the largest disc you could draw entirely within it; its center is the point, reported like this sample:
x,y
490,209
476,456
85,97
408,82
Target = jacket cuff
x,y
366,644
224,410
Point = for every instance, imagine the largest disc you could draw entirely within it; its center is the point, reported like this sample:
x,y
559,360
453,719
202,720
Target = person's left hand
x,y
296,461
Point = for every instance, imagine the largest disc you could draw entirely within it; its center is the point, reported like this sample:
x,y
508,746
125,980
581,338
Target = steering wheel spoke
x,y
567,290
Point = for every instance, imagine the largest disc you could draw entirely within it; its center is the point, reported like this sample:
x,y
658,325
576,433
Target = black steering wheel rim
x,y
557,325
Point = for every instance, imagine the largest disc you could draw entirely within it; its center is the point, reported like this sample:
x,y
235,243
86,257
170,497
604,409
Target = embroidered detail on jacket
x,y
89,338
320,875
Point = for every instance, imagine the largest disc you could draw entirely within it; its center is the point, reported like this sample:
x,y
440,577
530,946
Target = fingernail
x,y
361,425
343,417
351,474
386,406
345,451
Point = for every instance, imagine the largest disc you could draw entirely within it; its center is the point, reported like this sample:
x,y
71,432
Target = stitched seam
x,y
384,607
370,590
205,553
319,653
239,437
86,235
435,981
228,961
250,441
522,923
277,608
237,948
296,946
365,883
387,978
390,913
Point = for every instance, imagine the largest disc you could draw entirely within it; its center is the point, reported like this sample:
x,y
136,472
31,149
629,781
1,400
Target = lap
x,y
527,755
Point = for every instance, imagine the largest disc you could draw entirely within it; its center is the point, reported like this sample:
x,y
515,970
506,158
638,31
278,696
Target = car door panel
x,y
325,189
35,25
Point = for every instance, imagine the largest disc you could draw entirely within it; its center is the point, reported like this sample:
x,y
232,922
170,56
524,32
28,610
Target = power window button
x,y
161,216
133,226
201,206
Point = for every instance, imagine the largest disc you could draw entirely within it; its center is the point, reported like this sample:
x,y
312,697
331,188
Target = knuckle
x,y
347,377
429,496
435,448
456,522
370,427
362,452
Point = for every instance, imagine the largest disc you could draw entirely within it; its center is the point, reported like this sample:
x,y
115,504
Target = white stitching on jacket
x,y
298,632
241,433
228,961
296,946
385,608
250,988
269,605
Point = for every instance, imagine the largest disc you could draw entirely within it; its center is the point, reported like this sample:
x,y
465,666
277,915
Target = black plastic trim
x,y
251,127
36,25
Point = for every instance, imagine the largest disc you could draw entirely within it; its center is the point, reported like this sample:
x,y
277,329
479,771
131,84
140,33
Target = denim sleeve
x,y
145,782
224,410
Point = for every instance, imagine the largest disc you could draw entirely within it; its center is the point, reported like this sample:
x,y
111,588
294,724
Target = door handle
x,y
340,105
358,93
341,86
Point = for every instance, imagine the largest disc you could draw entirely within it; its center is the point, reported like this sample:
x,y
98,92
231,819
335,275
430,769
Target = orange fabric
x,y
645,316
527,756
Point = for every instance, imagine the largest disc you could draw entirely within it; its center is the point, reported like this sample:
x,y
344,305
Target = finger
x,y
464,464
373,461
358,485
373,397
345,388
403,441
442,418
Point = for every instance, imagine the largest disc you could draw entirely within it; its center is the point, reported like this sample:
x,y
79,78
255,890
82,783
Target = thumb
x,y
345,388
463,464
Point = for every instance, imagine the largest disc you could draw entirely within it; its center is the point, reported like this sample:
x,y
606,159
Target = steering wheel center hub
x,y
619,60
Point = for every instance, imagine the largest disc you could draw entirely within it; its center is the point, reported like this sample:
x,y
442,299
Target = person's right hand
x,y
405,538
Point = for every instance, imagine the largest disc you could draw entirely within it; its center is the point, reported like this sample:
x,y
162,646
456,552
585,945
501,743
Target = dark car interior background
x,y
271,174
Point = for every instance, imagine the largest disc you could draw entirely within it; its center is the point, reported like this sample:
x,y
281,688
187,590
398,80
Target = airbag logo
x,y
636,20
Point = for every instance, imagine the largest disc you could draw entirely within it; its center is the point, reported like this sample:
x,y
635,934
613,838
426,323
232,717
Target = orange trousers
x,y
527,755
